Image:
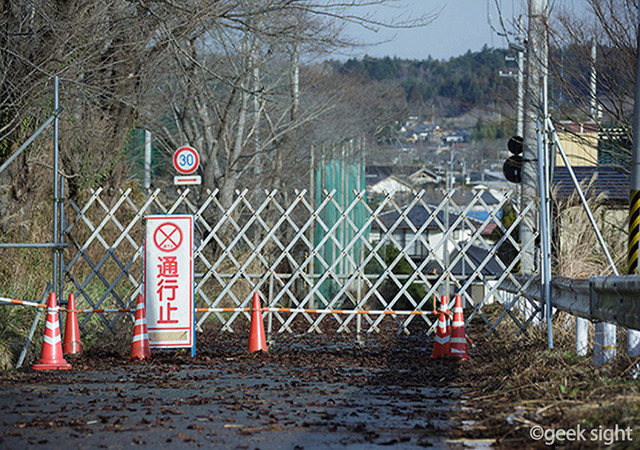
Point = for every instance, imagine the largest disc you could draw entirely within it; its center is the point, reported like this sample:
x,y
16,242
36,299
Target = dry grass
x,y
578,254
516,383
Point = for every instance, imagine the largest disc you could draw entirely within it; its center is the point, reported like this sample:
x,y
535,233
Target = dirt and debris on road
x,y
310,391
321,391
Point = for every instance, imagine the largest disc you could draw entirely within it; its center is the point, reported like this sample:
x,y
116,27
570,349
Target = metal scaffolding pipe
x,y
28,142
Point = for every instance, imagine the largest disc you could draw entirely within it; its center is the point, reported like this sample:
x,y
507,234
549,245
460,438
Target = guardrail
x,y
613,299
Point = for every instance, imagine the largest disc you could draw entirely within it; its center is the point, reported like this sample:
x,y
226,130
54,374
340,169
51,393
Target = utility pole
x,y
536,64
633,336
592,82
520,111
519,48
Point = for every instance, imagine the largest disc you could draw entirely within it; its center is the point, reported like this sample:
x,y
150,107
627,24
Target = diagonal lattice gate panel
x,y
310,257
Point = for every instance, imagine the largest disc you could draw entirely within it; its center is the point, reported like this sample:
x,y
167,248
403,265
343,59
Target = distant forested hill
x,y
453,86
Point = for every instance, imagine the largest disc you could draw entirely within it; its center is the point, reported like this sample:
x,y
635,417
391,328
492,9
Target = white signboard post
x,y
169,281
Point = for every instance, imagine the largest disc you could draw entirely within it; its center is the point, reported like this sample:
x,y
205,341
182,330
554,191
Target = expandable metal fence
x,y
266,243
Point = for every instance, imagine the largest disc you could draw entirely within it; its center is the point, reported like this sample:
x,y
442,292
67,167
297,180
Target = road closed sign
x,y
169,281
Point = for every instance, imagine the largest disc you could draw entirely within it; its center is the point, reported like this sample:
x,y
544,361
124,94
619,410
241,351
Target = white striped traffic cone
x,y
140,341
441,346
458,342
51,356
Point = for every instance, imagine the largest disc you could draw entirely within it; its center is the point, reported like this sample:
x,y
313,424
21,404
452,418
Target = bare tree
x,y
237,91
224,76
102,52
611,26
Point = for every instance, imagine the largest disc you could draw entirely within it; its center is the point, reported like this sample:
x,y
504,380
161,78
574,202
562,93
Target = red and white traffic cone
x,y
257,339
458,342
72,344
140,342
441,346
51,356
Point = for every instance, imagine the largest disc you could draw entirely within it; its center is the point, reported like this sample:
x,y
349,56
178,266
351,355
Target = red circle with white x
x,y
167,237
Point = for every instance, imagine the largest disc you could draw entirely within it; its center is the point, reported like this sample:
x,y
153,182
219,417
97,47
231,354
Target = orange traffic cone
x,y
140,342
51,355
441,346
458,342
257,340
72,344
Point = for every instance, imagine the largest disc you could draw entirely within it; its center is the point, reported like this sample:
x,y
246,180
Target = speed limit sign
x,y
186,160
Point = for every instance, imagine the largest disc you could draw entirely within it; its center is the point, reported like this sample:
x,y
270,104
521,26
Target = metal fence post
x,y
56,189
582,336
32,330
270,313
545,232
359,297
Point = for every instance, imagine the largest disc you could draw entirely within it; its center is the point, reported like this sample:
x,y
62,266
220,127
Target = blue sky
x,y
461,25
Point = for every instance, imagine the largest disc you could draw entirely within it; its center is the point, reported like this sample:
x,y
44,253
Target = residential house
x,y
456,137
390,185
424,176
579,141
422,132
422,218
591,144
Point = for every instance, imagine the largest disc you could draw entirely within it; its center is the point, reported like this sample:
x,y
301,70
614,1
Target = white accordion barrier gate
x,y
276,244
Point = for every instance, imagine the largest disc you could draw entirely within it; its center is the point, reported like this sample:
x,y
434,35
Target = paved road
x,y
284,400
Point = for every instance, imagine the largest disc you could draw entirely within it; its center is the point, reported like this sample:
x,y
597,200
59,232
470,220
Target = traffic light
x,y
512,167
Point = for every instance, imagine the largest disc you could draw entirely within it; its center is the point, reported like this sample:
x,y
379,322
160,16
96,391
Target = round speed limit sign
x,y
186,160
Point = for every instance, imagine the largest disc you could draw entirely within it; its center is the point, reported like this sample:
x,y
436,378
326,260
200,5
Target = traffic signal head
x,y
512,167
515,145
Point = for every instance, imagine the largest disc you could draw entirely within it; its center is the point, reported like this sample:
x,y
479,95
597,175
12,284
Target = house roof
x,y
423,175
488,195
423,128
609,181
489,198
417,216
477,255
579,127
390,185
375,174
461,133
